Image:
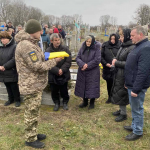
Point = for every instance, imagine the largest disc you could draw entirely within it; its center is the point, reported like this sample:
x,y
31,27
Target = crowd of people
x,y
24,70
127,73
45,33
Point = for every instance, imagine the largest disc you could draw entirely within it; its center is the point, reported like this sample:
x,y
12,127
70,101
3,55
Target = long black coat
x,y
88,81
7,59
119,94
64,64
108,52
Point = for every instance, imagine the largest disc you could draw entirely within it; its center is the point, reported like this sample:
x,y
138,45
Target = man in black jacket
x,y
137,80
60,74
61,31
9,25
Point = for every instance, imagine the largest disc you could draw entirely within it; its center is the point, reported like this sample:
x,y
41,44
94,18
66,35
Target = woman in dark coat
x,y
8,72
108,52
119,94
88,77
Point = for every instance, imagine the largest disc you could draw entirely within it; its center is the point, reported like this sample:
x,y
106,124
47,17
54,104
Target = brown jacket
x,y
31,65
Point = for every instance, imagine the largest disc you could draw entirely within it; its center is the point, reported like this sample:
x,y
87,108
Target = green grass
x,y
75,129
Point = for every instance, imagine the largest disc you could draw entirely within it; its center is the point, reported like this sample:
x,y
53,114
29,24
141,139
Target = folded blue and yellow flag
x,y
55,55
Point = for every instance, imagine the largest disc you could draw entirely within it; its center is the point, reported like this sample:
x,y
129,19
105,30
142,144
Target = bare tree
x,y
51,20
18,12
57,21
142,14
132,24
104,21
45,19
35,13
113,21
77,18
4,10
67,20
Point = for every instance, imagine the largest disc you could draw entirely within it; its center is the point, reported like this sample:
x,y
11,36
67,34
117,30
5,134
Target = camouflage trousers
x,y
31,115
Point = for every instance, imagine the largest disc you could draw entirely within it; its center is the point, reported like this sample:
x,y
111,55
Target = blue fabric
x,y
137,68
137,110
47,54
2,27
45,38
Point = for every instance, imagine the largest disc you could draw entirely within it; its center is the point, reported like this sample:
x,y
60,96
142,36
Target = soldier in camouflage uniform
x,y
33,77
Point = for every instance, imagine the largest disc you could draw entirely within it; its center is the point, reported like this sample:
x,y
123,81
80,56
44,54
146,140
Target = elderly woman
x,y
88,77
108,52
8,73
119,94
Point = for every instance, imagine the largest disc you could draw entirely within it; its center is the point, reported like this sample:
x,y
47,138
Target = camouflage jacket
x,y
31,65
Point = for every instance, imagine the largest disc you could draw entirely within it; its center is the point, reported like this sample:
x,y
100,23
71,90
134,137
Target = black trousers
x,y
13,91
59,90
109,86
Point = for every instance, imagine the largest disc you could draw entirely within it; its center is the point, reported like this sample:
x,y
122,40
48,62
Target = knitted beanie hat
x,y
32,26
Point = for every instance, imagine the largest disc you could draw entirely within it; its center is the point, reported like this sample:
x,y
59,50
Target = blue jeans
x,y
137,110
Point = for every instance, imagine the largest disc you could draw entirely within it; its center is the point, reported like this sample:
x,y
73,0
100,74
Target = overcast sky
x,y
91,10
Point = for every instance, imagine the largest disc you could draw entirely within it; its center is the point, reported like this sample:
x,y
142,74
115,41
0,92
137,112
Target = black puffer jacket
x,y
108,52
119,94
7,59
64,64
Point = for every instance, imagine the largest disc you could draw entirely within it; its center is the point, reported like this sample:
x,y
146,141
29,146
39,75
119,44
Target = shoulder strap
x,y
111,52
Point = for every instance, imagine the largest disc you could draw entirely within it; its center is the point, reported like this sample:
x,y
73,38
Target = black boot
x,y
132,137
41,137
8,103
128,128
35,144
65,106
17,101
17,104
121,118
84,104
116,113
92,103
56,107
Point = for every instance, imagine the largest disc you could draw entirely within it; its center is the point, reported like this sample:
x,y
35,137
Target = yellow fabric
x,y
58,54
101,66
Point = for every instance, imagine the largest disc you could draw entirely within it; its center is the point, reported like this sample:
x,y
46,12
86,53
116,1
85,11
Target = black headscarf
x,y
116,39
92,43
126,33
93,40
